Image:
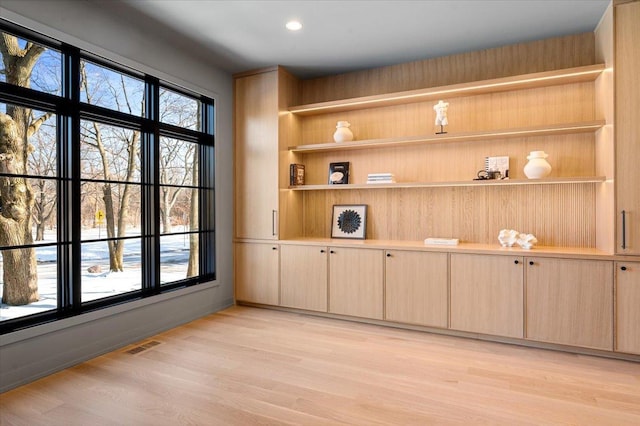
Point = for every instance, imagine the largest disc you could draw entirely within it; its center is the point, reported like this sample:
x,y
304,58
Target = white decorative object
x,y
343,133
537,167
441,115
508,237
526,241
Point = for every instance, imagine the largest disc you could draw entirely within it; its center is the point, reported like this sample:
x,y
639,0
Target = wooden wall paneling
x,y
568,103
542,55
558,215
289,132
570,156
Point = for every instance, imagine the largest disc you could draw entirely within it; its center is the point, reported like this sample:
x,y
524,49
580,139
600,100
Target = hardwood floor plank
x,y
250,366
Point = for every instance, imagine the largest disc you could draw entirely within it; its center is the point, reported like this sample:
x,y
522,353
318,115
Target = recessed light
x,y
294,25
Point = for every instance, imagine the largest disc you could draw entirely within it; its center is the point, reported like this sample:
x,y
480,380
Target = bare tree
x,y
193,265
125,150
16,194
175,170
42,162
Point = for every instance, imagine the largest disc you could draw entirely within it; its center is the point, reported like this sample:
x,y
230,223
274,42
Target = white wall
x,y
117,35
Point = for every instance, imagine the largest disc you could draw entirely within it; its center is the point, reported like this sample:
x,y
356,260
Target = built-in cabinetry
x,y
561,292
628,307
627,126
570,301
487,294
355,282
416,287
257,272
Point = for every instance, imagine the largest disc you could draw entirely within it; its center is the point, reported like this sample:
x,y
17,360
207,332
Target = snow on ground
x,y
174,255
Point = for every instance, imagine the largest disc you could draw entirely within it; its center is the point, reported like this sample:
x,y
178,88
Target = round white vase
x,y
537,167
343,133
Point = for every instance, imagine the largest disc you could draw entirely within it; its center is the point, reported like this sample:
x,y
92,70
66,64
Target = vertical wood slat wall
x,y
559,215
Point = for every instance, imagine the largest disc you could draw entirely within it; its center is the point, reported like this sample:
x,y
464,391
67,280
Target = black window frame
x,y
69,111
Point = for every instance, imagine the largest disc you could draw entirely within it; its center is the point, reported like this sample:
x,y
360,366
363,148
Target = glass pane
x,y
24,224
181,205
110,268
178,162
109,152
41,159
178,257
111,89
110,210
22,295
42,74
179,110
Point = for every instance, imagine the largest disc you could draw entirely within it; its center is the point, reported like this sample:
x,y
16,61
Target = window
x,y
106,183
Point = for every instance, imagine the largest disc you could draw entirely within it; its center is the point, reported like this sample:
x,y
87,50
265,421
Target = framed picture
x,y
349,221
339,173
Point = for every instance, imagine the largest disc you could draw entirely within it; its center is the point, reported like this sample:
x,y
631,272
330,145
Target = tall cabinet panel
x,y
627,126
256,155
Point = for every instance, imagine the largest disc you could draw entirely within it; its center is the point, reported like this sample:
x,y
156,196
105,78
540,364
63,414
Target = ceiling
x,y
343,36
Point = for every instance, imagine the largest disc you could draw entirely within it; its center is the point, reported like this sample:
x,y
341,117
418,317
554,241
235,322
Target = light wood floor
x,y
250,366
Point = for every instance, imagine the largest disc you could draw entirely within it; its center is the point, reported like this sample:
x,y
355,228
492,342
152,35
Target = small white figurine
x,y
441,114
526,241
508,237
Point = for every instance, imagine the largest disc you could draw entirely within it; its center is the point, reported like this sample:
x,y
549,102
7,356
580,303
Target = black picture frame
x,y
339,173
349,221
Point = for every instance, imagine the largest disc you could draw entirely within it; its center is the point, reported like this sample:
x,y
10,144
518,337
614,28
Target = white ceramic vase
x,y
343,133
537,167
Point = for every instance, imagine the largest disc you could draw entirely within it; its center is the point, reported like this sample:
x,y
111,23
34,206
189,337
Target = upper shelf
x,y
525,81
559,129
467,183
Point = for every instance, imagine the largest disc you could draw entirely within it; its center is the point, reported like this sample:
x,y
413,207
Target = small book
x,y
339,173
296,174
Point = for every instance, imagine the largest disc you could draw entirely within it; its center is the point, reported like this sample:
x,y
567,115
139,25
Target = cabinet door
x,y
256,156
256,272
628,307
356,282
570,302
303,277
487,294
416,290
627,126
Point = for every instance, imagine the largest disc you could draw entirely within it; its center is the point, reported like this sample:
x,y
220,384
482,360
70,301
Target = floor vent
x,y
143,347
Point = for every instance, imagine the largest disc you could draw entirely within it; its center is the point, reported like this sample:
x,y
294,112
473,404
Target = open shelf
x,y
525,81
559,129
500,182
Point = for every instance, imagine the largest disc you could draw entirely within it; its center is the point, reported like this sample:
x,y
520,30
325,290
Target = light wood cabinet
x,y
570,301
304,277
487,294
627,126
257,272
256,155
356,282
263,130
628,307
416,287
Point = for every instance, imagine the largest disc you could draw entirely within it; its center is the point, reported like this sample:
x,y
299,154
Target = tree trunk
x,y
193,268
19,272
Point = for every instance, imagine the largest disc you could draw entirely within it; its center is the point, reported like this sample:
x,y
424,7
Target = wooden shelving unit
x,y
526,81
561,129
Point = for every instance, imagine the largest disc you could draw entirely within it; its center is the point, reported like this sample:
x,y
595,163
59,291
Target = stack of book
x,y
381,178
